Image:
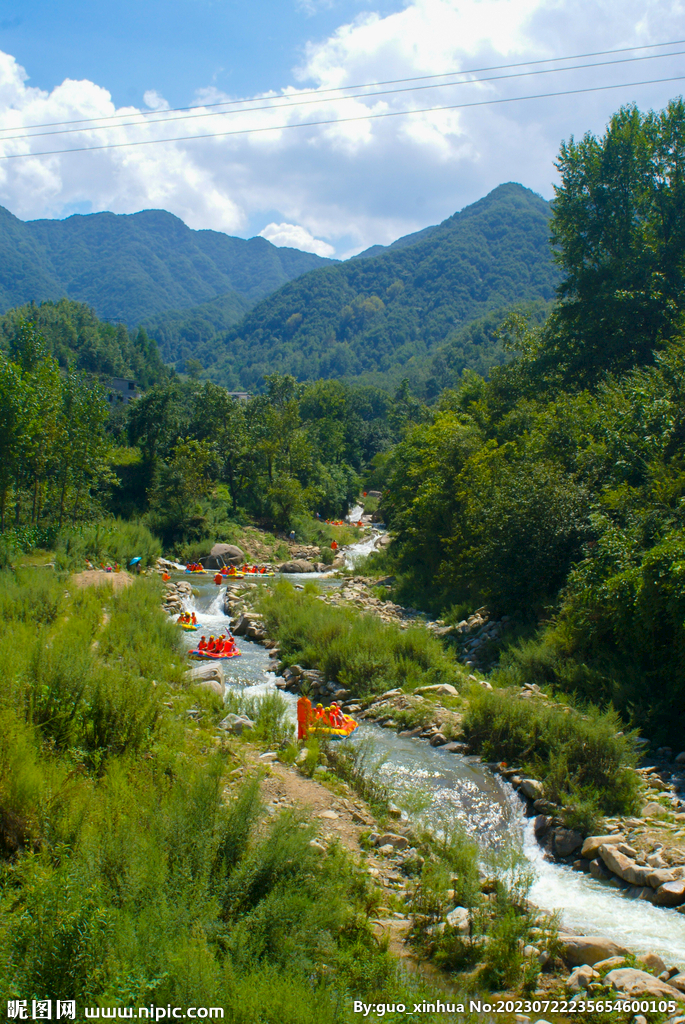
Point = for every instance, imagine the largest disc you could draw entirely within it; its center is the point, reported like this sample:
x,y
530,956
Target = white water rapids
x,y
463,789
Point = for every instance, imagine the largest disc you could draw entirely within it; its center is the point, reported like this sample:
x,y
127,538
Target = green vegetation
x,y
207,460
555,490
581,754
53,446
129,872
77,340
355,650
134,267
386,317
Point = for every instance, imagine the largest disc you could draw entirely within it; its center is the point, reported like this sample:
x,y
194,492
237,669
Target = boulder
x,y
397,842
653,962
610,964
459,920
592,844
670,894
438,740
439,689
212,562
599,870
577,950
678,981
231,554
542,825
244,623
623,865
581,978
298,565
531,788
634,983
207,671
566,841
653,810
659,876
236,724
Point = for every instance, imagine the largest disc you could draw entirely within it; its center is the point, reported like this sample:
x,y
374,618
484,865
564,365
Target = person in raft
x,y
202,646
304,714
335,716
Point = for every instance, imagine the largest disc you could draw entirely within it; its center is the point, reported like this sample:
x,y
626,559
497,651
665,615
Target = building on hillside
x,y
240,396
122,390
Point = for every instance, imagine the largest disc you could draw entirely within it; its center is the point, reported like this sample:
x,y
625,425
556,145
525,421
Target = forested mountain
x,y
74,336
130,267
383,317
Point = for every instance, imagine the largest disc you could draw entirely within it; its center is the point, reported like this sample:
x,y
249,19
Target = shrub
x,y
108,541
358,651
580,755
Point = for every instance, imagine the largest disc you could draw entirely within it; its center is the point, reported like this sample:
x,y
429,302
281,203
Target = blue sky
x,y
335,188
173,46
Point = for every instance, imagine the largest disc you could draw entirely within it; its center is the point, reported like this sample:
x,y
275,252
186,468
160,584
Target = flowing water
x,y
443,788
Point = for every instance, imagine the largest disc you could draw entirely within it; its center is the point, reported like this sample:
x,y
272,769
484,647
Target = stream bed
x,y
444,788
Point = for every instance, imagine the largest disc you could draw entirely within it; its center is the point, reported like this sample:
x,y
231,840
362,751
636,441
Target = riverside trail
x,y
454,788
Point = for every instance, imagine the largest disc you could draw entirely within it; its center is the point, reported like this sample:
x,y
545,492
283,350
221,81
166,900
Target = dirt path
x,y
344,817
98,578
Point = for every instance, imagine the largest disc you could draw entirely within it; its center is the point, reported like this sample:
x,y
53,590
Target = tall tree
x,y
619,228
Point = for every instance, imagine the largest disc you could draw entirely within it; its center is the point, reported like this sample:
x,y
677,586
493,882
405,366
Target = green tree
x,y
619,229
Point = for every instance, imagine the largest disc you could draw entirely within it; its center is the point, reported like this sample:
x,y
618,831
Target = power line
x,y
366,85
337,99
343,120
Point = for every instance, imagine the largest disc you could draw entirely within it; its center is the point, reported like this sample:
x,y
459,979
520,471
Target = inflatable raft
x,y
203,656
189,627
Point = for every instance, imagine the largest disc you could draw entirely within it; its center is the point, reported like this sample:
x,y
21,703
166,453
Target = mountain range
x,y
427,305
129,267
385,316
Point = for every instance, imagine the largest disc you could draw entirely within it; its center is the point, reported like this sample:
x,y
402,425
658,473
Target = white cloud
x,y
296,237
342,187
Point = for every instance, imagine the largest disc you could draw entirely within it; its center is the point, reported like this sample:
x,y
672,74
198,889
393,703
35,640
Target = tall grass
x,y
106,542
129,873
358,651
580,755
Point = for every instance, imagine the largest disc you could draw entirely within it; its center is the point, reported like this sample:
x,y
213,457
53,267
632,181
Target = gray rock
x,y
670,894
438,740
623,865
531,788
566,841
397,842
208,671
236,724
439,689
212,562
298,565
459,920
577,950
639,983
599,870
581,978
231,554
592,844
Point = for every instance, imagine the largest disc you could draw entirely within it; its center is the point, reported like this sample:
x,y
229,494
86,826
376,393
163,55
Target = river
x,y
446,788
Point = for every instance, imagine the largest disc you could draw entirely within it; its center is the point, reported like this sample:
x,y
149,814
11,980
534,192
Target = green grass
x,y
580,755
358,651
130,870
109,541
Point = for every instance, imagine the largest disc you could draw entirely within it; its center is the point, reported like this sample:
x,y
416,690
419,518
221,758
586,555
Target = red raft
x,y
204,656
